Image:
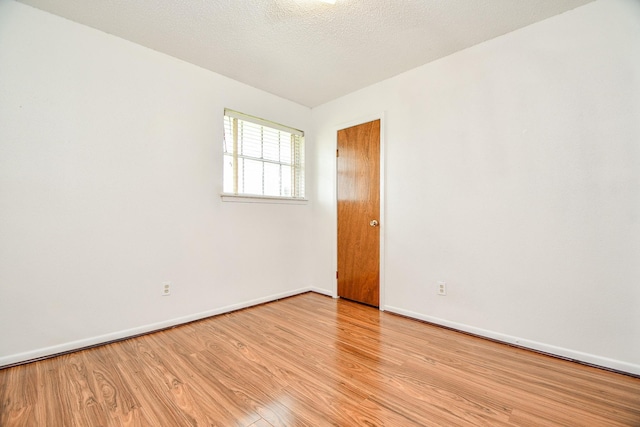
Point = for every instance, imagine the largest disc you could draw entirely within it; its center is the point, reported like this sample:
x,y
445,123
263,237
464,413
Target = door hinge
x,y
337,153
336,274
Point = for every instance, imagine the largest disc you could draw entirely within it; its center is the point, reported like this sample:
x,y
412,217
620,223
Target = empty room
x,y
316,213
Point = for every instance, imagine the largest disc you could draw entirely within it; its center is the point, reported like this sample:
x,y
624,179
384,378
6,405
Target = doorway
x,y
358,202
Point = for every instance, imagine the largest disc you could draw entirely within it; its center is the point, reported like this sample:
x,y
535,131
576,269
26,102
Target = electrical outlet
x,y
442,288
166,289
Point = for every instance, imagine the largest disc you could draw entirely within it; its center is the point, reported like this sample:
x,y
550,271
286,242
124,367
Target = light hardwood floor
x,y
311,360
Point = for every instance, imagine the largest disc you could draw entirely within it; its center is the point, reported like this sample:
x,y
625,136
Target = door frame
x,y
355,122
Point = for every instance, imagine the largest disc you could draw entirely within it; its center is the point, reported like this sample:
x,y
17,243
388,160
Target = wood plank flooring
x,y
310,360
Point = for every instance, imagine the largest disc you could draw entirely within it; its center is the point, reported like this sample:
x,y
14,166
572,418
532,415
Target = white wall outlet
x,y
442,288
166,289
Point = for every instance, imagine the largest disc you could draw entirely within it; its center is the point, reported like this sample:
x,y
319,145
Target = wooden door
x,y
359,213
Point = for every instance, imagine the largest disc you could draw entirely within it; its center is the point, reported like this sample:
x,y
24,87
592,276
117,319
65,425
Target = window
x,y
262,158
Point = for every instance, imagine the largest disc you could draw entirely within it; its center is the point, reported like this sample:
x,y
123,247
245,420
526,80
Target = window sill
x,y
243,198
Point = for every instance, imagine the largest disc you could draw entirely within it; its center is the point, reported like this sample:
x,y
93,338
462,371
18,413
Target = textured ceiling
x,y
305,50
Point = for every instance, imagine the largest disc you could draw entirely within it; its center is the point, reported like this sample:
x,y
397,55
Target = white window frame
x,y
234,122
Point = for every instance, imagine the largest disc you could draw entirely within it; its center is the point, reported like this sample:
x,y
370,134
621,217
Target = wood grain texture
x,y
310,360
358,197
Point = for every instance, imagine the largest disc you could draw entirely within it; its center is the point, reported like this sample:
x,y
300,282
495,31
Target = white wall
x,y
110,175
512,173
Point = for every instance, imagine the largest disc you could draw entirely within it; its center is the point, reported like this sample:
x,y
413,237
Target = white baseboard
x,y
119,335
323,292
578,356
534,345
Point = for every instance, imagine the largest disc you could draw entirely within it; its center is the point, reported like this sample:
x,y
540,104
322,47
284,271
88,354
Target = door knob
x,y
373,223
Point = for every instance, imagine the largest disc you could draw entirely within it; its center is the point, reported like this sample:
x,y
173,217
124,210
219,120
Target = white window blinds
x,y
262,158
